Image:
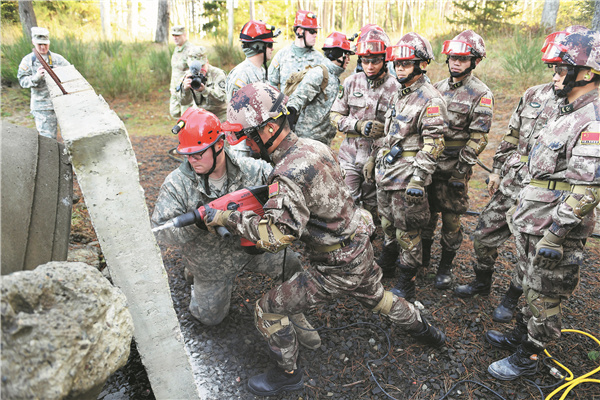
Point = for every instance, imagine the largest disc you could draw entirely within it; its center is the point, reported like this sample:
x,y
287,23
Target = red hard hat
x,y
258,31
339,40
197,130
306,20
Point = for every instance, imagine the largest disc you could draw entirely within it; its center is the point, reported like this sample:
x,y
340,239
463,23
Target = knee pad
x,y
385,304
388,227
542,306
408,240
450,222
269,323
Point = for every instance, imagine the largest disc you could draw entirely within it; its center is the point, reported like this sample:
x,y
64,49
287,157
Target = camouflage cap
x,y
255,104
582,49
40,35
197,53
423,49
177,30
474,40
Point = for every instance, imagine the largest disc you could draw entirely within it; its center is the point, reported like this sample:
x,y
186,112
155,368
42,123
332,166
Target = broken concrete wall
x,y
107,172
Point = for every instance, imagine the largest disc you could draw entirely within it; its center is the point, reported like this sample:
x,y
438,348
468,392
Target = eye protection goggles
x,y
456,48
235,133
400,52
555,37
554,53
370,47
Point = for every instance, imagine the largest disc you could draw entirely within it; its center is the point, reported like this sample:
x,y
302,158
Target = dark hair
x,y
334,53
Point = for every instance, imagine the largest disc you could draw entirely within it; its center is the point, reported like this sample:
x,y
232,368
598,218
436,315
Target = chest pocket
x,y
400,126
356,101
529,120
458,115
382,111
544,157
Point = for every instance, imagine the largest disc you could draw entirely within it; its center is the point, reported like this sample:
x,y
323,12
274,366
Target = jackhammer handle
x,y
223,232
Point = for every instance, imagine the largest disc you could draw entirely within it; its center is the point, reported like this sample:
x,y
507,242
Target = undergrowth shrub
x,y
225,56
523,60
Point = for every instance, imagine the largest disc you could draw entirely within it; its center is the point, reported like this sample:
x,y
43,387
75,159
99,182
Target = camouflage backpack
x,y
294,80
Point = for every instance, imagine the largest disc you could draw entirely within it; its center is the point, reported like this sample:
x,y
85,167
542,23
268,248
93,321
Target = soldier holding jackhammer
x,y
209,171
307,201
470,104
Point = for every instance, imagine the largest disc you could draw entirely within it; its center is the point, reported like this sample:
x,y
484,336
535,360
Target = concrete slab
x,y
108,175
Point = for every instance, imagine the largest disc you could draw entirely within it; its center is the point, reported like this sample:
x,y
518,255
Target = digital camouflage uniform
x,y
510,161
308,201
567,152
213,97
313,104
416,122
214,262
360,101
291,59
470,105
179,67
41,104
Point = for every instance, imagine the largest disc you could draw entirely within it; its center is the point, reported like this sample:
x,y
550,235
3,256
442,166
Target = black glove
x,y
292,117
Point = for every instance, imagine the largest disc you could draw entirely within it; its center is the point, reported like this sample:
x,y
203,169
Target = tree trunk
x,y
230,22
251,9
596,20
105,19
162,22
549,14
27,16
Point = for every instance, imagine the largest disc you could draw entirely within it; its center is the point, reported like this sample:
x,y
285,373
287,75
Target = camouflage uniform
x,y
510,160
469,104
213,97
302,204
291,59
360,101
214,263
313,104
567,153
41,104
179,67
416,122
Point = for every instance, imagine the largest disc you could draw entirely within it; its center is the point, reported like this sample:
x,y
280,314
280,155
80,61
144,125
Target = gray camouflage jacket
x,y
179,64
243,74
213,98
29,78
291,59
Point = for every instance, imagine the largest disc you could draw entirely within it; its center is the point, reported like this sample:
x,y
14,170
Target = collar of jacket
x,y
333,68
456,85
580,102
376,83
233,173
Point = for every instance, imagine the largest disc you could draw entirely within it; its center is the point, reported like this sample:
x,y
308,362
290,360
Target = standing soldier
x,y
359,112
470,103
209,95
31,75
299,54
307,201
505,182
556,209
179,67
311,101
415,124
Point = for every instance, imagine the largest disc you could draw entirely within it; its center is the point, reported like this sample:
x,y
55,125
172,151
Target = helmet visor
x,y
370,47
400,52
555,37
234,133
554,52
456,48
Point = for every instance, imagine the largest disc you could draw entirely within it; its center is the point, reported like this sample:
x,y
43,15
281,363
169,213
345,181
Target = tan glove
x,y
493,183
415,190
369,169
548,251
370,129
215,218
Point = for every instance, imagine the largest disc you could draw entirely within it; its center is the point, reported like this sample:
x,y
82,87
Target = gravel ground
x,y
225,356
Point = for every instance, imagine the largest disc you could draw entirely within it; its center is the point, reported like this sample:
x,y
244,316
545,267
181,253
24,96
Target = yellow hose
x,y
571,382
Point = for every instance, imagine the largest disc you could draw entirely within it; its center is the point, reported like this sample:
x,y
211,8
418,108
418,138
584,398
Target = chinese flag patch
x,y
273,189
433,111
590,138
486,102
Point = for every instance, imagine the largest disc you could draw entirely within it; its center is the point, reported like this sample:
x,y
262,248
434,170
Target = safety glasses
x,y
555,37
371,47
374,60
403,63
198,156
459,58
400,52
456,48
561,70
312,31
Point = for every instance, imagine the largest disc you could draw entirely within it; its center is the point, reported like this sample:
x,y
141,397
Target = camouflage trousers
x,y
349,271
210,298
45,122
545,289
353,154
451,203
405,217
492,231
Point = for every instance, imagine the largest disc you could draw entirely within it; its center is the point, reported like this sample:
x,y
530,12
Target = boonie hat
x,y
40,35
178,30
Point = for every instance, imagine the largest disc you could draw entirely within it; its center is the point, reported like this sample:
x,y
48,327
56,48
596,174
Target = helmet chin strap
x,y
378,75
465,72
416,71
303,37
570,82
212,169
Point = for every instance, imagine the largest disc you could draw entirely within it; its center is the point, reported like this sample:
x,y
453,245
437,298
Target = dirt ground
x,y
405,370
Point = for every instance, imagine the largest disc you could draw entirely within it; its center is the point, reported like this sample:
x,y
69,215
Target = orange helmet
x,y
258,31
197,130
337,40
306,20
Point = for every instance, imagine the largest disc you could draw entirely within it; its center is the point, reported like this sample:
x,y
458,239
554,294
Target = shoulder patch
x,y
273,189
341,91
433,111
486,102
222,84
590,138
240,83
275,63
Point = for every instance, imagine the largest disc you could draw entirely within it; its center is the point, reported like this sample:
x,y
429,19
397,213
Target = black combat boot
x,y
505,311
482,284
387,259
405,287
443,278
426,246
429,334
523,362
510,340
275,381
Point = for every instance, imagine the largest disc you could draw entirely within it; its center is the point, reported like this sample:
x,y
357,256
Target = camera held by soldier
x,y
196,78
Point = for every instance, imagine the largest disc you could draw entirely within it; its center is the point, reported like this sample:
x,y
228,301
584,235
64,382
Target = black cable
x,y
171,153
475,382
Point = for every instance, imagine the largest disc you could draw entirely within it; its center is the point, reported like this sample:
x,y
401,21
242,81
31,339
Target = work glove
x,y
493,182
292,117
370,129
548,251
369,169
458,180
415,191
215,217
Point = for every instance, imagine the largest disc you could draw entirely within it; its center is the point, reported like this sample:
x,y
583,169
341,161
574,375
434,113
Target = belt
x,y
401,155
557,185
524,159
455,143
332,247
353,135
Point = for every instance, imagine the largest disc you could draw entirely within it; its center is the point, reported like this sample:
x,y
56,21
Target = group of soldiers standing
x,y
407,156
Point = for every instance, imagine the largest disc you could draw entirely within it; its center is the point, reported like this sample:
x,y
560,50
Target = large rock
x,y
65,330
